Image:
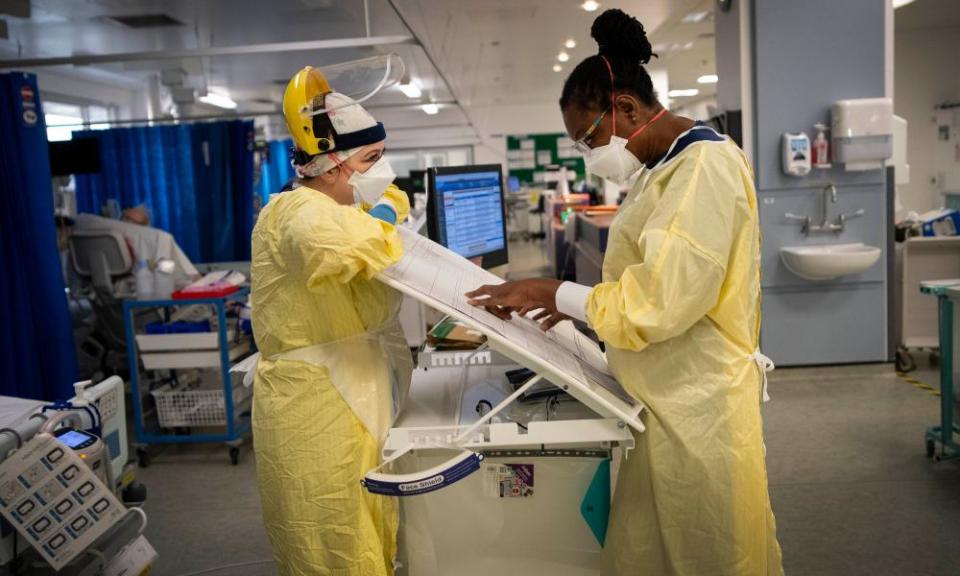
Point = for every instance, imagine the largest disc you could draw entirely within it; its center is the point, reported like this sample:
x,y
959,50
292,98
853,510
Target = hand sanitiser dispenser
x,y
796,154
862,132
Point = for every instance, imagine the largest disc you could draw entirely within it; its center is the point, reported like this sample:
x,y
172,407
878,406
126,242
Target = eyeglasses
x,y
581,145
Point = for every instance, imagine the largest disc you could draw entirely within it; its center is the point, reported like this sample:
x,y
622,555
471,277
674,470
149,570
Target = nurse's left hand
x,y
548,318
521,296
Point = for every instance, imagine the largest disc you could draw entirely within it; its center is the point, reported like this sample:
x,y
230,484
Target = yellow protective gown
x,y
313,269
679,310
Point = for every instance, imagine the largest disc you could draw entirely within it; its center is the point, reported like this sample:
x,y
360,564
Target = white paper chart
x,y
439,278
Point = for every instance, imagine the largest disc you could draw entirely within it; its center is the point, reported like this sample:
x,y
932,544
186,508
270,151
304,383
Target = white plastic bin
x,y
196,405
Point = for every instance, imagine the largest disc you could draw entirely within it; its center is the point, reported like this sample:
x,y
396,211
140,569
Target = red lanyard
x,y
613,107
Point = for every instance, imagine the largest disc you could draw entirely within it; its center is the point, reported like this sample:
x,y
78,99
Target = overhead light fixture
x,y
557,67
694,17
708,79
590,6
411,89
672,47
563,56
430,108
218,100
683,93
901,3
570,43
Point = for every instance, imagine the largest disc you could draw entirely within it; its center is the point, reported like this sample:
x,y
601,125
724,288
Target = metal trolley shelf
x,y
178,412
945,435
920,260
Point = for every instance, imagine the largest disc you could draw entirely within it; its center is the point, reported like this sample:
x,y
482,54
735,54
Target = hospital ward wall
x,y
806,56
495,122
482,126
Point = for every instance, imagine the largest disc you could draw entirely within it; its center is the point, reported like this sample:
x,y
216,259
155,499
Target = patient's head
x,y
136,215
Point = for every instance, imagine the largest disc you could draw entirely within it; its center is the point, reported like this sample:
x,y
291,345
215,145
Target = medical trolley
x,y
945,435
181,386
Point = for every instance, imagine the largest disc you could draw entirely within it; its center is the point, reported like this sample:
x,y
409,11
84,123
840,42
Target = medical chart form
x,y
439,278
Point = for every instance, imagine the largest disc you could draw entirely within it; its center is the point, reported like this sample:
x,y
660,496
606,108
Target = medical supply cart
x,y
177,404
504,455
920,259
944,435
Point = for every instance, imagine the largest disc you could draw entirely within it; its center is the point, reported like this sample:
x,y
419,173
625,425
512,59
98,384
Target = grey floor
x,y
852,489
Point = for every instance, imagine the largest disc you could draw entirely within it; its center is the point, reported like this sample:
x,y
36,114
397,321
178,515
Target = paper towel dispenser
x,y
862,132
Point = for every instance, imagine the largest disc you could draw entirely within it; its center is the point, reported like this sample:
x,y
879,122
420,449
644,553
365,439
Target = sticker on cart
x,y
54,456
39,529
100,507
32,475
84,491
509,480
57,545
10,491
25,509
64,507
49,491
69,474
78,524
55,501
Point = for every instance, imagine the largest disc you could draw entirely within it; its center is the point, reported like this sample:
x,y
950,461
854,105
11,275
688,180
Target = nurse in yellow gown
x,y
334,363
679,311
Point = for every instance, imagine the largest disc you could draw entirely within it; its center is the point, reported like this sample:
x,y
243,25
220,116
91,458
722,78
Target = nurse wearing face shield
x,y
334,364
679,311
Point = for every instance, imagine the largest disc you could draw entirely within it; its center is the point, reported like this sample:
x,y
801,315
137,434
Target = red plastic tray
x,y
217,292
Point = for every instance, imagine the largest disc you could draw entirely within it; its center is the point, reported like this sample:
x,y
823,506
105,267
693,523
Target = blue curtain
x,y
223,164
196,179
151,166
275,169
37,358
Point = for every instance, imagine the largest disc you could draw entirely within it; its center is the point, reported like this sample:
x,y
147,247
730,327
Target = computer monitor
x,y
413,184
465,212
418,178
77,156
514,184
405,184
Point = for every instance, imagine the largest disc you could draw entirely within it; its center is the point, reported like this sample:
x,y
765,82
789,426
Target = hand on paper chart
x,y
548,318
449,283
521,297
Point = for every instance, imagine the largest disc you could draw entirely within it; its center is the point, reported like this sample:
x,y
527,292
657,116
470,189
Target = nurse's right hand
x,y
521,296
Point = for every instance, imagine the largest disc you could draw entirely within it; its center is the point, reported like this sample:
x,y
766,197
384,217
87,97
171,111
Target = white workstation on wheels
x,y
504,456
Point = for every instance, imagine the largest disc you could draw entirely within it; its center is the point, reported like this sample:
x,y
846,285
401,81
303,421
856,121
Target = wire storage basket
x,y
197,404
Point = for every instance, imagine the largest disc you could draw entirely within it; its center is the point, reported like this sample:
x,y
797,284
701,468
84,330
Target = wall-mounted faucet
x,y
828,191
828,195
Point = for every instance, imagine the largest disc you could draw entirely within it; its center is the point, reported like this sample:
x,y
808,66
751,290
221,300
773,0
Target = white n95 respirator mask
x,y
613,161
369,186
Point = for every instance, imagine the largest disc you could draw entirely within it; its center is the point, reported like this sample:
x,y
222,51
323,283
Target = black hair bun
x,y
621,36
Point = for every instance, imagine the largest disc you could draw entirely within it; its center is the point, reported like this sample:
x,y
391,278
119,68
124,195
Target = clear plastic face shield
x,y
361,80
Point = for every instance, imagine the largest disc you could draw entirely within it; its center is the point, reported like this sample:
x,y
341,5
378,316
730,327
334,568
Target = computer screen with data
x,y
466,212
